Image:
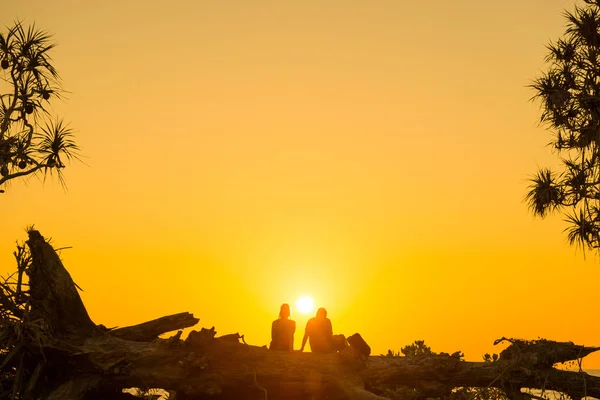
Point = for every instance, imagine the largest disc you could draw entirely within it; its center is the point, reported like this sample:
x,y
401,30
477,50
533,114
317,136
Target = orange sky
x,y
373,154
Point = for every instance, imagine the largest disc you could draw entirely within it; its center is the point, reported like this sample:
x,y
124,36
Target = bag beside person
x,y
358,344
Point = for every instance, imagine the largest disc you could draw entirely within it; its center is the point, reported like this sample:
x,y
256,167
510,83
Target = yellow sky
x,y
373,154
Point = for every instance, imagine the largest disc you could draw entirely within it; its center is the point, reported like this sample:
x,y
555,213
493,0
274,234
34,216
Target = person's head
x,y
284,311
321,313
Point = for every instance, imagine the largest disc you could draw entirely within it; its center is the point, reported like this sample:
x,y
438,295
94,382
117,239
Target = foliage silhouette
x,y
569,92
15,325
418,349
30,140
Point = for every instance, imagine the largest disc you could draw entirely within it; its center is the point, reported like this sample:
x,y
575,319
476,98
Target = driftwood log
x,y
66,356
151,330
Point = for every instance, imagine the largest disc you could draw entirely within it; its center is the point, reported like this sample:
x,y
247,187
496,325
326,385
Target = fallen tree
x,y
53,350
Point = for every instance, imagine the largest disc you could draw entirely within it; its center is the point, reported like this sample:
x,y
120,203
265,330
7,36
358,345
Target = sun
x,y
305,304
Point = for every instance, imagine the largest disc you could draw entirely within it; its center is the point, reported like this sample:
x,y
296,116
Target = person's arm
x,y
305,338
304,341
292,335
272,333
329,328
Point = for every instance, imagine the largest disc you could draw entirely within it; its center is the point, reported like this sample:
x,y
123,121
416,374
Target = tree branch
x,y
150,330
24,173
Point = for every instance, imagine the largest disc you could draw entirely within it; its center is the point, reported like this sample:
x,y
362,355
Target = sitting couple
x,y
318,332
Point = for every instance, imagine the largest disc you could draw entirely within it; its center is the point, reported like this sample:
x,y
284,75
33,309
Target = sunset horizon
x,y
369,158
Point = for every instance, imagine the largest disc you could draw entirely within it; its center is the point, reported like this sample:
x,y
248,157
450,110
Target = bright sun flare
x,y
305,304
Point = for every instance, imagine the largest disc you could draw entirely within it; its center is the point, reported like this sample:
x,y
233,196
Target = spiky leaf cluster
x,y
569,92
30,140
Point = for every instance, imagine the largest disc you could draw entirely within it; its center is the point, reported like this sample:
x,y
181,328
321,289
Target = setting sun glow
x,y
316,153
305,304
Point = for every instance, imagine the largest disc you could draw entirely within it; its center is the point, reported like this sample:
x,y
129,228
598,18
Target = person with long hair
x,y
282,330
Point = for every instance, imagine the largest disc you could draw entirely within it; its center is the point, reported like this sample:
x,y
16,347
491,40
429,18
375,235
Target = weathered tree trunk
x,y
75,359
54,298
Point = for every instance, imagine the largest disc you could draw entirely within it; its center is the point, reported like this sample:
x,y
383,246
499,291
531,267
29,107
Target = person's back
x,y
319,332
282,331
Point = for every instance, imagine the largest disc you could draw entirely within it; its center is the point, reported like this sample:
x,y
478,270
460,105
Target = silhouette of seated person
x,y
282,330
319,333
